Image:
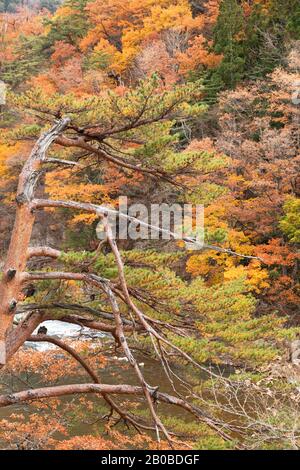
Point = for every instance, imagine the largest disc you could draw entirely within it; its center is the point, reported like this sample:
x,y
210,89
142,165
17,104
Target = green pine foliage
x,y
31,56
223,329
252,46
70,28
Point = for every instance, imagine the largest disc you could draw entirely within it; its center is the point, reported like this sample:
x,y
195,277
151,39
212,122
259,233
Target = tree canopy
x,y
165,101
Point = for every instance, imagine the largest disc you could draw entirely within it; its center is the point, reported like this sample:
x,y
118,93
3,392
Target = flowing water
x,y
116,371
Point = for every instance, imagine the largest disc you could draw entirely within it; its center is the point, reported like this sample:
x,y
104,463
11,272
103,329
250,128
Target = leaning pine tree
x,y
137,295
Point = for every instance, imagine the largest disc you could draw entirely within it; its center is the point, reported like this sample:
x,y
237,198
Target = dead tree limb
x,y
41,338
124,344
120,389
113,405
42,251
105,211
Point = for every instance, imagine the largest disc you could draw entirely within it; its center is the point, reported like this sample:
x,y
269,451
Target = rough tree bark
x,y
10,286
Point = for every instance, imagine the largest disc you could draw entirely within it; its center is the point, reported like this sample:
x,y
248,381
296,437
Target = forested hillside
x,y
164,102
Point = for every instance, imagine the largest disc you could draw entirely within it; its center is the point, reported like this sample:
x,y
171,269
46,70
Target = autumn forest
x,y
155,342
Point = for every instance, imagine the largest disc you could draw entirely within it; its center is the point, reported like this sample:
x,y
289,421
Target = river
x,y
116,371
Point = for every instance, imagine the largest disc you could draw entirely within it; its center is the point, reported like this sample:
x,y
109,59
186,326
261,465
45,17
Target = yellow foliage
x,y
255,276
9,155
43,82
179,16
91,38
62,185
64,11
84,218
4,151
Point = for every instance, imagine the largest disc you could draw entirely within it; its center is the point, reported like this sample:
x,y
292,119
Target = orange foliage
x,y
62,52
31,433
197,54
87,442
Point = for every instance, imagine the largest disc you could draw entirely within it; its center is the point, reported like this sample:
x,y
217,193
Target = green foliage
x,y
8,6
97,60
212,316
225,321
29,131
229,24
214,443
285,16
30,52
78,237
222,315
69,27
50,5
290,223
113,109
205,194
203,162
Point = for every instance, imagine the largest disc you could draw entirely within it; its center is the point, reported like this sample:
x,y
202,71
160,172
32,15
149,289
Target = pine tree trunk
x,y
11,282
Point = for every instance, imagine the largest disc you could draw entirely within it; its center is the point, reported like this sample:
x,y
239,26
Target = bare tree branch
x,y
46,251
105,211
77,307
81,142
120,389
41,338
123,342
58,161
